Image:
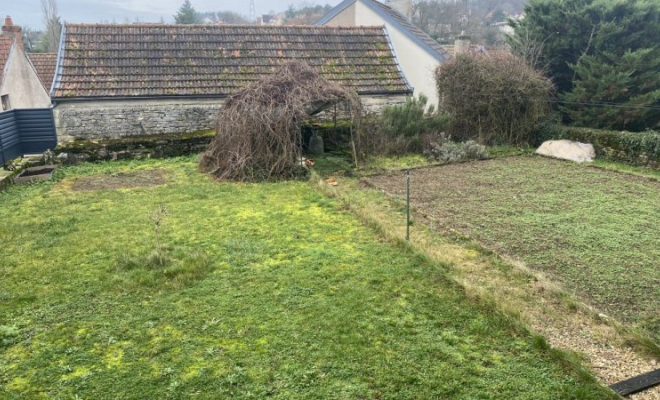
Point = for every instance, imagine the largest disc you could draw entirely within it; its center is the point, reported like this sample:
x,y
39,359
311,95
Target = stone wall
x,y
117,119
133,147
370,105
376,104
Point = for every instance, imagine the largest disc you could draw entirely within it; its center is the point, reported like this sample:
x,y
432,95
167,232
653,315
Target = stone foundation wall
x,y
370,105
376,104
133,147
117,119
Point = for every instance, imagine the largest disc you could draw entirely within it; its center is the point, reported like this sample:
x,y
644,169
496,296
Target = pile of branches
x,y
258,128
498,100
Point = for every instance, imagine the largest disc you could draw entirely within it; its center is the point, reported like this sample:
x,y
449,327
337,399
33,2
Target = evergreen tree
x,y
614,91
186,14
602,52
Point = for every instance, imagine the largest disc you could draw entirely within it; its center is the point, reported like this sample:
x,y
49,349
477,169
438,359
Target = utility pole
x,y
253,13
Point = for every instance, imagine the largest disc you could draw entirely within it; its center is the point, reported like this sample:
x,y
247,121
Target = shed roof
x,y
396,19
45,64
157,60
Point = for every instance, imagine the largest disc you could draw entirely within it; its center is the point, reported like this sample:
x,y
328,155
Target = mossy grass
x,y
246,291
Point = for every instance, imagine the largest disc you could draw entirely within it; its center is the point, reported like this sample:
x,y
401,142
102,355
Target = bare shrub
x,y
259,127
499,100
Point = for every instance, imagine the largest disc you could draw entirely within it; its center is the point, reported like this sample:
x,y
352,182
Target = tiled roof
x,y
395,18
200,60
45,64
6,43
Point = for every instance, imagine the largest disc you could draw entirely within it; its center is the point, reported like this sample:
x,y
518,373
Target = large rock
x,y
568,150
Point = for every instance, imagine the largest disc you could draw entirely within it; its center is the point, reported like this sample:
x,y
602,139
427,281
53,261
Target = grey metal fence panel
x,y
37,130
10,142
26,131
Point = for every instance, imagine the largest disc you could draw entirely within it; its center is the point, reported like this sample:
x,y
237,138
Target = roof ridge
x,y
265,27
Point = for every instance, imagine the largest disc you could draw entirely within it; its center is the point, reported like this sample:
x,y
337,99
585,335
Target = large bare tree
x,y
53,26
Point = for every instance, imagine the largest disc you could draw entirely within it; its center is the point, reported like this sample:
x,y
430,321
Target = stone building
x,y
417,53
20,86
143,79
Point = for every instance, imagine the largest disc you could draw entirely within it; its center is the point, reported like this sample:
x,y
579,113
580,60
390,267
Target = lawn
x,y
134,280
596,231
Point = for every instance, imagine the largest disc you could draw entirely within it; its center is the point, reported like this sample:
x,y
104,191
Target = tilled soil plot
x,y
594,231
589,229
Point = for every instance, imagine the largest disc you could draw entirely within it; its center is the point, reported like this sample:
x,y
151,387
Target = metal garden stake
x,y
408,205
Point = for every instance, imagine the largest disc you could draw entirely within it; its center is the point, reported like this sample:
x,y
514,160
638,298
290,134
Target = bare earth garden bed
x,y
592,230
120,180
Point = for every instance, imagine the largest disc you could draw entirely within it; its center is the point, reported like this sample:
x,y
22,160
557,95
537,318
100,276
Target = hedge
x,y
636,148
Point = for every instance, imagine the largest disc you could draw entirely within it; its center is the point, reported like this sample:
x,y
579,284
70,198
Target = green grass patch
x,y
508,151
190,288
628,169
397,162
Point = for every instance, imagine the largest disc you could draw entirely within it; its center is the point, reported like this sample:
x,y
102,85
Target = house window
x,y
5,102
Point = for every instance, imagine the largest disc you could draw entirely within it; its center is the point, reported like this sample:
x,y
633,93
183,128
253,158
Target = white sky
x,y
28,12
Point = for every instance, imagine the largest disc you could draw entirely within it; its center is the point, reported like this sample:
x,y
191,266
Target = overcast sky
x,y
28,12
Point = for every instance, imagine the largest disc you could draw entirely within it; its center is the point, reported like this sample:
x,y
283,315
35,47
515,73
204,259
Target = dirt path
x,y
541,305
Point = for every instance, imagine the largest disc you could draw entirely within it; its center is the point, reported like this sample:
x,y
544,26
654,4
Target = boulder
x,y
568,150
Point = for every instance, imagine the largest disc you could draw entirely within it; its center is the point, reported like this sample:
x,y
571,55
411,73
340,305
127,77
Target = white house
x,y
417,53
20,86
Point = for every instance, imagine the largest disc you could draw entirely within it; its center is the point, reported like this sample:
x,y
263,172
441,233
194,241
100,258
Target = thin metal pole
x,y
408,205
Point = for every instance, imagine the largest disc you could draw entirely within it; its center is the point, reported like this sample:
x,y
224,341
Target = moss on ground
x,y
80,146
198,289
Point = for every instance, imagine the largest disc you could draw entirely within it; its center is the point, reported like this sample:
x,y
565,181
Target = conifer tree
x,y
614,91
186,14
602,52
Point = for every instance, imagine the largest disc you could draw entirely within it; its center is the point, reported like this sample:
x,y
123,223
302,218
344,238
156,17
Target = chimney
x,y
405,7
462,44
14,31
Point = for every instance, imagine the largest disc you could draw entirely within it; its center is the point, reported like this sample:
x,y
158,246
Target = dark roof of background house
x,y
141,60
45,64
6,42
397,19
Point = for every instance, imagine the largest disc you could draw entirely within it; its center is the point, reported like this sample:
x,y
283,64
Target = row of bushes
x,y
636,148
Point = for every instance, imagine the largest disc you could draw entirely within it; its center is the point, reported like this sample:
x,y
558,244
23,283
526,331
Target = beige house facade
x,y
20,86
417,53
